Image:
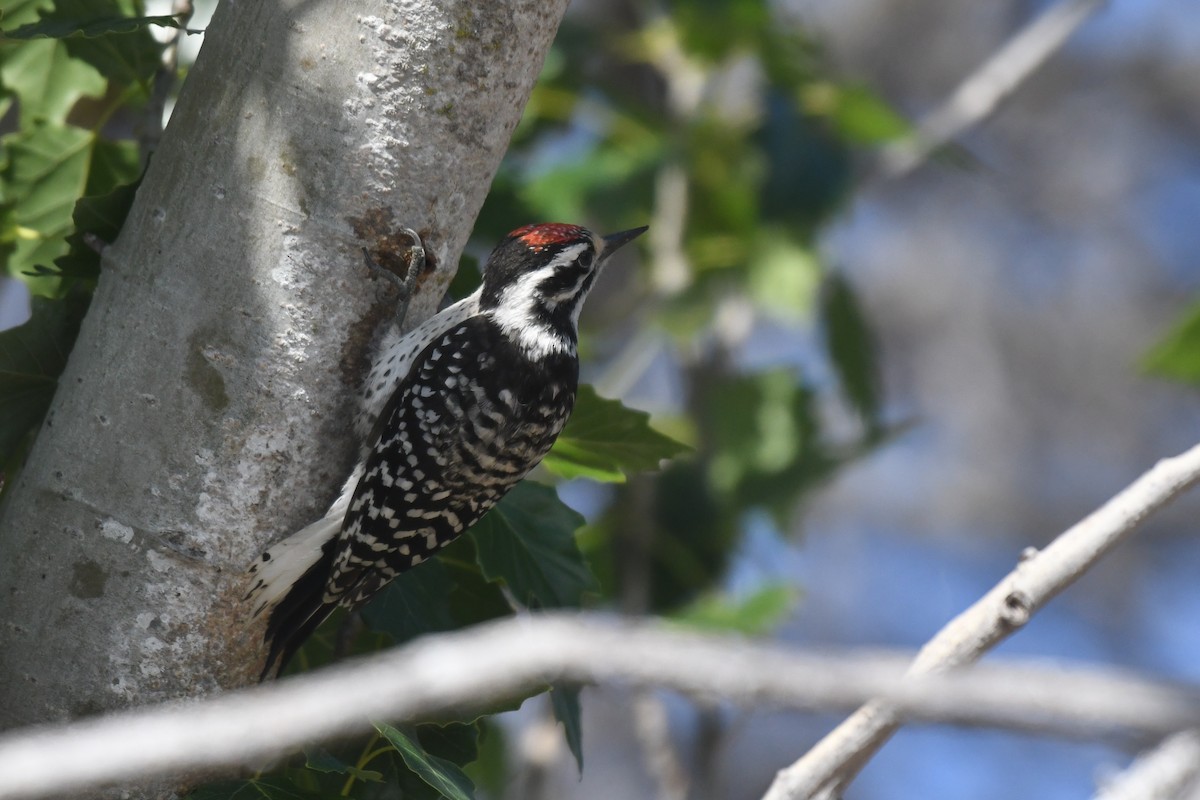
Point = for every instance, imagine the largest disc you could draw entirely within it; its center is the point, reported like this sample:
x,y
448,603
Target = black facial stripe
x,y
566,279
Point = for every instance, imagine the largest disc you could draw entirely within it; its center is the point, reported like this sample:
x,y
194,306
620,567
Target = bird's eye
x,y
585,259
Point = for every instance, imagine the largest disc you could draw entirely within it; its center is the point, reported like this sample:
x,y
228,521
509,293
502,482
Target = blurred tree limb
x,y
465,670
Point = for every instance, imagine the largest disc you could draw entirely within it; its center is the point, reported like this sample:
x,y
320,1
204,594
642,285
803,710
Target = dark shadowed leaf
x,y
88,27
457,742
108,34
565,702
528,541
321,760
473,598
851,348
466,279
99,218
32,356
414,604
606,441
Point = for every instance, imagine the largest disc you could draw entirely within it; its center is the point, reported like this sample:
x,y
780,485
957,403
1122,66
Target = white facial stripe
x,y
515,314
517,311
578,306
568,255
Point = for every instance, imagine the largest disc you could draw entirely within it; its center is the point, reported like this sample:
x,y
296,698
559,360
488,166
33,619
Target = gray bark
x,y
205,410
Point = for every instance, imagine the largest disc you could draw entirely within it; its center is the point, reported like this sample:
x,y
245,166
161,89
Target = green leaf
x,y
1177,356
851,347
767,449
414,604
126,57
113,164
49,168
100,217
457,742
783,276
755,615
563,191
860,115
715,28
727,178
444,776
46,173
321,760
606,441
565,702
490,770
47,80
20,12
473,599
32,356
760,424
528,541
63,27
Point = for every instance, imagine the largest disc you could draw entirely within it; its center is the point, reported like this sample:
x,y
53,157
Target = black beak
x,y
616,240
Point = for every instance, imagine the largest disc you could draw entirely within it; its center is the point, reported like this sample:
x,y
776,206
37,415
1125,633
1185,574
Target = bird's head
x,y
537,278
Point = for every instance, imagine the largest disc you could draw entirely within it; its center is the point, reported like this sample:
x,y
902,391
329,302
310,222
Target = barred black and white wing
x,y
469,421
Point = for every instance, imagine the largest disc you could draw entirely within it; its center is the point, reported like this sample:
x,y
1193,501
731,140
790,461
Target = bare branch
x,y
466,670
984,90
654,733
1164,773
1007,607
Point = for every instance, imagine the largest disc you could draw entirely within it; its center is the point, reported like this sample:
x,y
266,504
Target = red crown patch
x,y
540,235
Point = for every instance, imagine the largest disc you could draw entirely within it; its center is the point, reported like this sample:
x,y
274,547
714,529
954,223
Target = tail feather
x,y
299,614
290,588
286,562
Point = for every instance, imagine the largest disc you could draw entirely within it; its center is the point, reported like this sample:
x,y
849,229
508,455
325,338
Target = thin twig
x,y
837,758
983,91
164,82
654,733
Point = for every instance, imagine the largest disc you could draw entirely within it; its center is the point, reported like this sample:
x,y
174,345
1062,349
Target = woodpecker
x,y
454,414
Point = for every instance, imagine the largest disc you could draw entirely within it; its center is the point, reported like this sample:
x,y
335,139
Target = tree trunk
x,y
205,410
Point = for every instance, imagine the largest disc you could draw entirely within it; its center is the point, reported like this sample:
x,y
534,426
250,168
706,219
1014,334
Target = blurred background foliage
x,y
724,125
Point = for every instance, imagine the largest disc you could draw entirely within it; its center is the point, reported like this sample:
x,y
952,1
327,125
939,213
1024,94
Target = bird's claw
x,y
414,267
